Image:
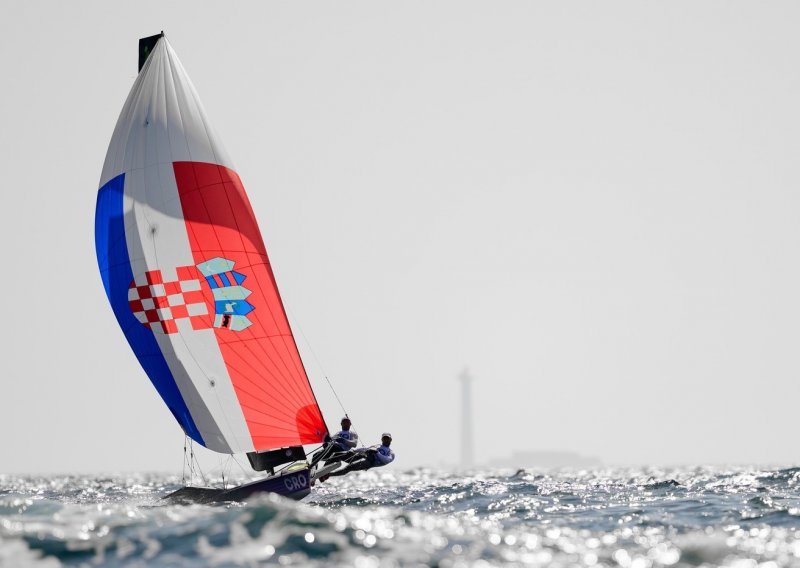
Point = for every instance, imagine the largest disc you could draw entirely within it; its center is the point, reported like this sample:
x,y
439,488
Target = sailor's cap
x,y
386,435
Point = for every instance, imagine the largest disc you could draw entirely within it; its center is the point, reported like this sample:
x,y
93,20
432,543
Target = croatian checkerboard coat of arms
x,y
158,305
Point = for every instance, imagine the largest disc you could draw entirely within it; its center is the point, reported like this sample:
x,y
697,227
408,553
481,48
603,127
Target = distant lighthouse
x,y
466,419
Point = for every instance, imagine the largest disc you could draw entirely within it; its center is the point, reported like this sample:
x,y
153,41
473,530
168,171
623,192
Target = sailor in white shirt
x,y
367,458
338,447
345,439
384,454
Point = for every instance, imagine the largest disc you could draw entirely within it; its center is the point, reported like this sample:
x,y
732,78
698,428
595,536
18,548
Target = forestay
x,y
188,277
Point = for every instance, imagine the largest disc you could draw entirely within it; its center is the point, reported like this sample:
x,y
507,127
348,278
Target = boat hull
x,y
294,484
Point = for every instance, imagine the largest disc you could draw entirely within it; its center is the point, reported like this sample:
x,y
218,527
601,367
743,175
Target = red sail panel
x,y
265,368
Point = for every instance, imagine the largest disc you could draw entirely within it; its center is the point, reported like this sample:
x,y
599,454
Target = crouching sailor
x,y
367,458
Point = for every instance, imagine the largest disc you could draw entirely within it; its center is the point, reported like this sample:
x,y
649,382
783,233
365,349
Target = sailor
x,y
367,458
340,446
345,439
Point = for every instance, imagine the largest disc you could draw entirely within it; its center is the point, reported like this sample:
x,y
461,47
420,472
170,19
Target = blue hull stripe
x,y
115,269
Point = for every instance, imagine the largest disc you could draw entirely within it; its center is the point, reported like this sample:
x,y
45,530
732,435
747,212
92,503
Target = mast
x,y
146,46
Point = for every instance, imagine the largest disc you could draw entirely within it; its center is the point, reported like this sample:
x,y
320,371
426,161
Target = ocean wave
x,y
635,518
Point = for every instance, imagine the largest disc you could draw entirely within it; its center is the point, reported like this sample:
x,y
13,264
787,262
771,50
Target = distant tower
x,y
466,419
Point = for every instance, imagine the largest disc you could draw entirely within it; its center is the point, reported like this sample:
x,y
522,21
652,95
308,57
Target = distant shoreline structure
x,y
467,445
546,459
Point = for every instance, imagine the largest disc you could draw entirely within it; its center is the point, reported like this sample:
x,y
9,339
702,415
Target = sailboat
x,y
187,274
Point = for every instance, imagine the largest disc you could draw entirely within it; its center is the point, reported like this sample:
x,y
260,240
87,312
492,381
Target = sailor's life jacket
x,y
345,440
383,455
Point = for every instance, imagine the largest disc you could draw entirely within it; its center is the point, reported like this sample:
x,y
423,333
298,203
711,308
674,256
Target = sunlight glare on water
x,y
632,518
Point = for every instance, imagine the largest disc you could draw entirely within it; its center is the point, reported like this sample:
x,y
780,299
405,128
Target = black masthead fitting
x,y
146,45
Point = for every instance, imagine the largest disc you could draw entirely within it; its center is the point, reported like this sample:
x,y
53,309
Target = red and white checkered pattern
x,y
157,304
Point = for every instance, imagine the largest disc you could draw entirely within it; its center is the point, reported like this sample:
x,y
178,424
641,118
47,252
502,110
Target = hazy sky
x,y
592,205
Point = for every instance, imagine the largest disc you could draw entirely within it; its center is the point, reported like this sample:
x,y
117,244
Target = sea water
x,y
633,518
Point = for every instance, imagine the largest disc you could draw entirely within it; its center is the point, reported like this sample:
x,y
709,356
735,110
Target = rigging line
x,y
290,464
279,470
197,463
240,466
333,390
191,462
222,467
310,453
229,468
183,472
319,363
